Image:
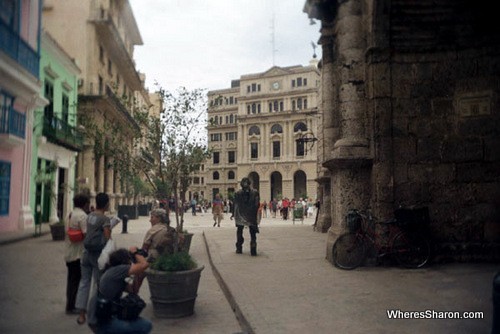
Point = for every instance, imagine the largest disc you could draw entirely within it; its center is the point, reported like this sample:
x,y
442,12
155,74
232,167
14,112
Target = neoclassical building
x,y
101,36
263,128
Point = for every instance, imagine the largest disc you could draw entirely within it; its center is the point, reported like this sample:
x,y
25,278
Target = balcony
x,y
117,48
12,127
14,46
61,133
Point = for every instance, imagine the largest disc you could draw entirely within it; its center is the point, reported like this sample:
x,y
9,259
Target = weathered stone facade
x,y
411,112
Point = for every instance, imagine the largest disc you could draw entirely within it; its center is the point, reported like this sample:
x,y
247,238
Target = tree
x,y
176,145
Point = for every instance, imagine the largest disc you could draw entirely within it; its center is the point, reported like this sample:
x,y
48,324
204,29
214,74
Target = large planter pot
x,y
129,210
143,210
173,294
187,242
57,231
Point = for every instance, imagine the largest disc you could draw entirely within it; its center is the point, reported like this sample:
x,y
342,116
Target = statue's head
x,y
245,182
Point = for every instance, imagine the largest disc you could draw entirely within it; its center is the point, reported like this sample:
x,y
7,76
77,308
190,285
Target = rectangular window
x,y
49,95
196,180
65,108
254,87
305,81
216,157
299,82
293,83
299,103
5,169
276,149
300,149
305,103
254,150
101,86
231,157
101,54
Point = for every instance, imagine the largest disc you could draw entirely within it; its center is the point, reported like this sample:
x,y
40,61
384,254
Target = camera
x,y
140,252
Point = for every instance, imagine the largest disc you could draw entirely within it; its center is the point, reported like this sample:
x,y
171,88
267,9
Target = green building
x,y
56,137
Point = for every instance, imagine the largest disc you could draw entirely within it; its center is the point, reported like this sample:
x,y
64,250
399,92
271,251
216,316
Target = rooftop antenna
x,y
273,40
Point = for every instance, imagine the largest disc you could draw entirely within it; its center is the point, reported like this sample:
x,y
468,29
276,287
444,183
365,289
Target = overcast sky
x,y
207,43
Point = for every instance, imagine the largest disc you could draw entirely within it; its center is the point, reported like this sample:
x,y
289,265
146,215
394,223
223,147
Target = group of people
x,y
82,262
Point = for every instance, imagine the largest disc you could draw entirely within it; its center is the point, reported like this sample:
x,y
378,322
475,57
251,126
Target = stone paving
x,y
288,288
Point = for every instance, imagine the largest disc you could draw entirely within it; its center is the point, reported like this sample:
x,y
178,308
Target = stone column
x,y
100,174
110,184
53,197
345,118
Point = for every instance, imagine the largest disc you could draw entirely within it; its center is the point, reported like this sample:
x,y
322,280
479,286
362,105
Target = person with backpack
x,y
98,233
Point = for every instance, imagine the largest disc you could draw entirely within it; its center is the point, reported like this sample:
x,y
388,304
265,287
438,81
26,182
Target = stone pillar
x,y
86,172
53,197
110,184
100,174
345,118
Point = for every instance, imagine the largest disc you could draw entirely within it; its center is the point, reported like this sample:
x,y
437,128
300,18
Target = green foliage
x,y
180,261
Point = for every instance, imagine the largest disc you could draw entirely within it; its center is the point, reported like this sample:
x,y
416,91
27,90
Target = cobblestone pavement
x,y
288,288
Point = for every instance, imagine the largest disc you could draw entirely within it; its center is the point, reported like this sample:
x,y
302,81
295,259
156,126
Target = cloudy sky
x,y
207,43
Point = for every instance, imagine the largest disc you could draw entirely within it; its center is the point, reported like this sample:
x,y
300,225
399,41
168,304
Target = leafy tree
x,y
176,144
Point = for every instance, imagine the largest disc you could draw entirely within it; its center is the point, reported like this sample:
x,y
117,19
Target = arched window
x,y
216,175
254,130
230,175
276,128
300,127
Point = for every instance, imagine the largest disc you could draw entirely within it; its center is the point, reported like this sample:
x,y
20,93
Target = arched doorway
x,y
299,184
254,178
276,185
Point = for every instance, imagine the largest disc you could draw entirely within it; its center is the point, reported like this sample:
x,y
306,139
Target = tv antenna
x,y
273,39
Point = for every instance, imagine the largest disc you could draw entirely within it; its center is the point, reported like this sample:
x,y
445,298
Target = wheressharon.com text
x,y
433,314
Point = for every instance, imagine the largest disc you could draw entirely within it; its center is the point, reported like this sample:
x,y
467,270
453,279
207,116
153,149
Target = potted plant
x,y
173,283
58,231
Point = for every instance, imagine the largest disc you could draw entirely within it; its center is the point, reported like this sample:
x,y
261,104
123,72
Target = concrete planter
x,y
57,231
173,294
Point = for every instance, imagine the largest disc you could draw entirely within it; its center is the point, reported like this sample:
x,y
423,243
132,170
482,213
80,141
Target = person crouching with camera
x,y
106,307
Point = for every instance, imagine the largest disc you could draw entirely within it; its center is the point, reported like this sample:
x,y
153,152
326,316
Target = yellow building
x,y
264,127
100,35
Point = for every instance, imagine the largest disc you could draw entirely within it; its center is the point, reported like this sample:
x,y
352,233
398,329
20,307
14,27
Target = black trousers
x,y
73,280
253,235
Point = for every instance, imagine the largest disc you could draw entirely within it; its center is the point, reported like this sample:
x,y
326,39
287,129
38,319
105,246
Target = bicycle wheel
x,y
411,251
348,251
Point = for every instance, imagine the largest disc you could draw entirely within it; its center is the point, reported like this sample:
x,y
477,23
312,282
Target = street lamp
x,y
308,140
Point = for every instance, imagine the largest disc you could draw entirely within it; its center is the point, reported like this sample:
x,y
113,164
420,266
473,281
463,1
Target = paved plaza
x,y
288,288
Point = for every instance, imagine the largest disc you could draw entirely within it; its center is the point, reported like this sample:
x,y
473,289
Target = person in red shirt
x,y
285,203
217,210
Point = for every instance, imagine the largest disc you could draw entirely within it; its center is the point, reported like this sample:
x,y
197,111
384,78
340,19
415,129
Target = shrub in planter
x,y
173,283
58,231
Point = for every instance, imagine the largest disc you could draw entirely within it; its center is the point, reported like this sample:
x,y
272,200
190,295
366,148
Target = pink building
x,y
20,90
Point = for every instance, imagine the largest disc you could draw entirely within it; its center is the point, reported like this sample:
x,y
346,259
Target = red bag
x,y
75,235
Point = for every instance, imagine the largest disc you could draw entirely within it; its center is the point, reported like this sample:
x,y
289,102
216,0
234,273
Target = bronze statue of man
x,y
246,205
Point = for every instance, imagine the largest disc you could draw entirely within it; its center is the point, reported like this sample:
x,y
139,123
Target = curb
x,y
245,325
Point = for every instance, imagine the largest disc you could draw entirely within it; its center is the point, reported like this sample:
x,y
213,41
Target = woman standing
x,y
74,250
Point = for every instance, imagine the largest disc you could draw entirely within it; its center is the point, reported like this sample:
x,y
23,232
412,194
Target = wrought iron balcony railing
x,y
60,132
13,45
12,122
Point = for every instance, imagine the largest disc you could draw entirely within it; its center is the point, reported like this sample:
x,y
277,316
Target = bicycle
x,y
411,250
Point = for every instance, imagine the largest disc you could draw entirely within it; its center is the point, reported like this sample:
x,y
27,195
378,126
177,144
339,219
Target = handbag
x,y
129,307
104,256
75,234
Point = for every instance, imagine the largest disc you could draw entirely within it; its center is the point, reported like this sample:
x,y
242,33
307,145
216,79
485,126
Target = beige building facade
x,y
101,35
263,128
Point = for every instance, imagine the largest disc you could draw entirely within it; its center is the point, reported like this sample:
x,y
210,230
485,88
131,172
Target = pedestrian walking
x,y
98,232
77,220
246,204
217,210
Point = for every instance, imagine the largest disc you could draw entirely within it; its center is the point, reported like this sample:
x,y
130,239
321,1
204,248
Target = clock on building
x,y
276,85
